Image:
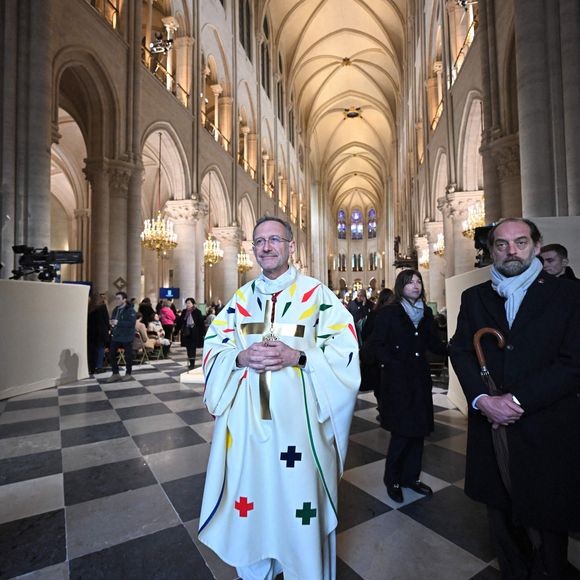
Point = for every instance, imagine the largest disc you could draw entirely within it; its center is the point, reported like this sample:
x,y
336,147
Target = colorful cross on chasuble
x,y
290,456
306,513
270,331
243,506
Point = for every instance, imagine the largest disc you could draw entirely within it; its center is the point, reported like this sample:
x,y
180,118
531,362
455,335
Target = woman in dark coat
x,y
403,332
97,333
190,325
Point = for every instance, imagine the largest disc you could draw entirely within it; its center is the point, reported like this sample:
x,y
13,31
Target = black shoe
x,y
421,488
395,492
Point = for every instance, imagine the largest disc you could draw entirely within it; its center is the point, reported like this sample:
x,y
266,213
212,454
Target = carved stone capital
x,y
119,176
83,213
228,236
185,211
506,154
432,229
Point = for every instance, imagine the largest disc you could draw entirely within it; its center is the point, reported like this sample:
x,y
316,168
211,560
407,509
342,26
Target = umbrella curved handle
x,y
477,342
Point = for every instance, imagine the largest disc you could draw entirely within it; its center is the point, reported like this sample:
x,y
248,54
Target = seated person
x,y
141,330
155,329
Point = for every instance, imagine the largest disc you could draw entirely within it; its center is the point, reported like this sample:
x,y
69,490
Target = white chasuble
x,y
280,438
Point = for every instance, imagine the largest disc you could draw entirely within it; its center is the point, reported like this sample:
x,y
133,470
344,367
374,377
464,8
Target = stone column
x,y
183,68
119,176
421,244
534,106
505,153
265,158
134,229
436,266
245,130
570,46
253,152
445,206
224,279
148,31
97,175
83,231
225,126
284,205
217,91
199,237
187,254
171,26
151,270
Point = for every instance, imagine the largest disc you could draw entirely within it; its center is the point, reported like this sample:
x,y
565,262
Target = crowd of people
x,y
131,327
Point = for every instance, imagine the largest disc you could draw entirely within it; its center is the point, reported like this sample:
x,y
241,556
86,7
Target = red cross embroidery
x,y
244,507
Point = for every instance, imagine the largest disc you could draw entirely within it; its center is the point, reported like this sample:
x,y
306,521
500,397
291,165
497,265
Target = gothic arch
x,y
175,182
83,88
470,176
247,217
440,178
215,193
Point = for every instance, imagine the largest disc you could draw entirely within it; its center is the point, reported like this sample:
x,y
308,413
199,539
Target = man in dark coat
x,y
539,374
555,258
122,322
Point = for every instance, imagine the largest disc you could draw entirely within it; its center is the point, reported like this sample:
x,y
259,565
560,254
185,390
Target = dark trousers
x,y
403,463
168,329
518,560
191,354
128,346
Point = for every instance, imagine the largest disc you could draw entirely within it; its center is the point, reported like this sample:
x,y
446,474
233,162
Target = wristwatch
x,y
302,359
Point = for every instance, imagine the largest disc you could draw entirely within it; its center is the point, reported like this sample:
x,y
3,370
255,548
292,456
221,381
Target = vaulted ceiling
x,y
343,62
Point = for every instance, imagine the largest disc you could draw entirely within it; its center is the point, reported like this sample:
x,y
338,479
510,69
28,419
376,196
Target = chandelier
x,y
424,259
475,219
212,252
158,233
244,261
439,246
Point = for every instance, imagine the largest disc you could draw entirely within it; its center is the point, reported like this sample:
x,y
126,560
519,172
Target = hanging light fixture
x,y
212,252
158,233
439,246
475,219
244,261
424,259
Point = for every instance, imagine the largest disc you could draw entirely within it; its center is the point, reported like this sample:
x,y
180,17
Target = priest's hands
x,y
268,356
500,410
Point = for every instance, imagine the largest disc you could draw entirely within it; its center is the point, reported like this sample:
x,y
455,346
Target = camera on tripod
x,y
43,262
483,257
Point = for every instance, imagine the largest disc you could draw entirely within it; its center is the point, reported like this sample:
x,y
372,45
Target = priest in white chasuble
x,y
282,374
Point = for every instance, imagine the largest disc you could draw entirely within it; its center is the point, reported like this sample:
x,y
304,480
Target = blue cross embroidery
x,y
290,456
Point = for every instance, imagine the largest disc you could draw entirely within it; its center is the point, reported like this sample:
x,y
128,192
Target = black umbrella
x,y
498,432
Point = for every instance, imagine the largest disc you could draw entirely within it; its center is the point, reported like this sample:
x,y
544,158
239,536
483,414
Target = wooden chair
x,y
141,354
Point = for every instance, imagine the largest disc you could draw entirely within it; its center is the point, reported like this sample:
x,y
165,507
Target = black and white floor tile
x,y
104,481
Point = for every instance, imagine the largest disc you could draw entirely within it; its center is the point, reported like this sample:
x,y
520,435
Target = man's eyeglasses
x,y
272,240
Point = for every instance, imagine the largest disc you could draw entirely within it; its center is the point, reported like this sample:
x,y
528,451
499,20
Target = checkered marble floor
x,y
104,481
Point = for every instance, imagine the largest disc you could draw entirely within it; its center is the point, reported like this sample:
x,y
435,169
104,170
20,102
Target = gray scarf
x,y
414,311
514,288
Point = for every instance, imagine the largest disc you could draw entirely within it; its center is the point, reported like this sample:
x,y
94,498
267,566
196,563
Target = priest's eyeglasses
x,y
272,241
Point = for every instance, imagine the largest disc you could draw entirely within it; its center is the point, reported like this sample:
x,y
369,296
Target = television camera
x,y
43,262
483,257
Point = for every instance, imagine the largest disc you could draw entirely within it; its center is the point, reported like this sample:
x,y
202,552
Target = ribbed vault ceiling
x,y
341,55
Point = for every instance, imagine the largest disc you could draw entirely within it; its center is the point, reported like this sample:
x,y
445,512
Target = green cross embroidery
x,y
306,513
